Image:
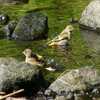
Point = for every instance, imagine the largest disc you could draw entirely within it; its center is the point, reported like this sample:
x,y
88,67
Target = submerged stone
x,y
91,15
8,29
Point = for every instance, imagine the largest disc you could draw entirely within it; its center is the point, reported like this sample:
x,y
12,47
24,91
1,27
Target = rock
x,y
4,19
31,26
13,1
75,82
15,75
91,15
91,23
9,28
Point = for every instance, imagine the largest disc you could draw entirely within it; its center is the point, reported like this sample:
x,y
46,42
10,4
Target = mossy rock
x,y
16,75
30,27
9,28
76,81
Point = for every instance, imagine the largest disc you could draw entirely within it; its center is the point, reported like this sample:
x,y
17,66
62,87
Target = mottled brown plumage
x,y
62,38
36,59
33,58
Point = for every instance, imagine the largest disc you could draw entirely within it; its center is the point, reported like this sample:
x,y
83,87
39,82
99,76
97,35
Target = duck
x,y
36,59
32,58
66,33
59,43
63,38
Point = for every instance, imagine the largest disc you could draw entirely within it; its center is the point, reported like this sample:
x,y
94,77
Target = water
x,y
92,39
58,17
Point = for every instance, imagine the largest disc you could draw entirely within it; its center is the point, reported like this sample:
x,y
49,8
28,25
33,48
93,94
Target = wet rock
x,y
4,19
16,75
91,15
13,1
31,26
75,83
9,28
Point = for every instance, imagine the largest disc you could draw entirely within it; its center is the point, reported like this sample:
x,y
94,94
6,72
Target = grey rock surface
x,y
8,29
31,26
16,75
4,19
75,82
91,15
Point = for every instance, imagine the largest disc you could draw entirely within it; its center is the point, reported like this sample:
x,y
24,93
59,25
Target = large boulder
x,y
78,82
31,26
13,1
16,75
91,16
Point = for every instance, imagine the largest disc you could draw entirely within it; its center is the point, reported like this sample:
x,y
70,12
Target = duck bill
x,y
23,52
39,57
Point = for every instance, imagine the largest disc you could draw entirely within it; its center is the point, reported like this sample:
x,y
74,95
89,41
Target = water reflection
x,y
92,39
